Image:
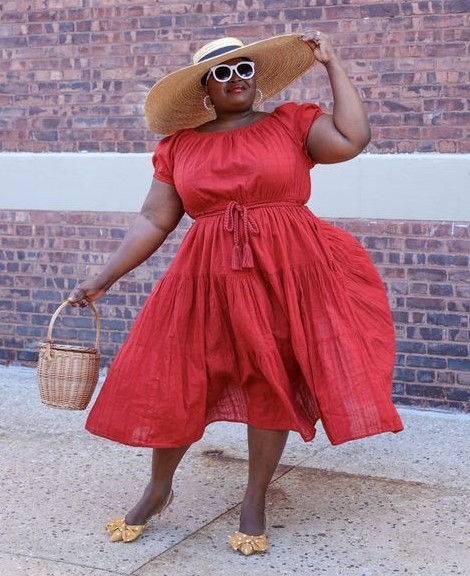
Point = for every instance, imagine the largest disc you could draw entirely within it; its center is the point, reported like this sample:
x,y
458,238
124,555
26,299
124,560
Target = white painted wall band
x,y
399,187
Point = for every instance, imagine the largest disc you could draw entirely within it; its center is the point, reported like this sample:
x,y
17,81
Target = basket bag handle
x,y
49,340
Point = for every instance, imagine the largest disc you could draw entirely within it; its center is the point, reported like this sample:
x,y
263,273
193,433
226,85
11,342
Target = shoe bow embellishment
x,y
122,532
119,530
248,545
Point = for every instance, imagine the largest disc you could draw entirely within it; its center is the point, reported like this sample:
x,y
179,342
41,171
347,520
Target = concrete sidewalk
x,y
388,505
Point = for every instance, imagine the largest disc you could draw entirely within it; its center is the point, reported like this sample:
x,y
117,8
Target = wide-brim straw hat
x,y
176,101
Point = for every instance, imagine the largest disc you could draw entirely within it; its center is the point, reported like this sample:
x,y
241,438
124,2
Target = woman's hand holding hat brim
x,y
320,44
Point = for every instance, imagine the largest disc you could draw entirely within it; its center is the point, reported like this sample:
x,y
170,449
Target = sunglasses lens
x,y
245,70
222,73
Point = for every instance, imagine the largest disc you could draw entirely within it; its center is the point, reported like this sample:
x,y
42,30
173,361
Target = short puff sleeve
x,y
297,119
163,160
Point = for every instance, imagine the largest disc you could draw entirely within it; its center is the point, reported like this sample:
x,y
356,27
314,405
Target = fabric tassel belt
x,y
239,221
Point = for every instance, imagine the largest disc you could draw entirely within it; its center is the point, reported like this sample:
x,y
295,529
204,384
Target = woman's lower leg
x,y
265,449
164,464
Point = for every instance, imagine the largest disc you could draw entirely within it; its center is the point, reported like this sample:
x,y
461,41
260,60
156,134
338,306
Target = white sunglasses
x,y
224,72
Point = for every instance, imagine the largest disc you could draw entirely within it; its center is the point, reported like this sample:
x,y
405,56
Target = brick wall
x,y
424,265
74,73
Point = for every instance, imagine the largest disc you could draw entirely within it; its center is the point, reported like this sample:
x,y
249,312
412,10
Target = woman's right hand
x,y
87,291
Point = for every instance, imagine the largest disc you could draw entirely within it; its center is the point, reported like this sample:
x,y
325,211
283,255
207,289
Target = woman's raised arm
x,y
344,134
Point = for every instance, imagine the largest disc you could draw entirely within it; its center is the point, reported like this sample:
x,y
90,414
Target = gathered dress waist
x,y
240,222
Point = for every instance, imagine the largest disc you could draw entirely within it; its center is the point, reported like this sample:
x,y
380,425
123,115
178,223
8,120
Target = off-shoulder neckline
x,y
233,130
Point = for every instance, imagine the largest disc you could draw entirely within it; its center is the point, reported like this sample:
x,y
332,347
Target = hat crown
x,y
216,48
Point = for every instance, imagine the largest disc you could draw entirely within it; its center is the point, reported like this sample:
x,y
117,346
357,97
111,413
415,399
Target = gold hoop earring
x,y
258,98
206,104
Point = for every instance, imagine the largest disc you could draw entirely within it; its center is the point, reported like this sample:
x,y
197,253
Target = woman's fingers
x,y
312,35
86,292
320,44
77,297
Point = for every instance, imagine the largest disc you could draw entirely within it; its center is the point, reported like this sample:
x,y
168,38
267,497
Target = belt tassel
x,y
242,255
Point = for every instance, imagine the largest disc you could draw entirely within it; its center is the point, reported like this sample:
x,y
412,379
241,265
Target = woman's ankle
x,y
151,502
252,515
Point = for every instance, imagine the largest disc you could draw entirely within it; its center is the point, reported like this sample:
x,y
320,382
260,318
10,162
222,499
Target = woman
x,y
267,315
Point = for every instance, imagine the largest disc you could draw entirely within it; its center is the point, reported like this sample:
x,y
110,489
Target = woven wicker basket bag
x,y
67,375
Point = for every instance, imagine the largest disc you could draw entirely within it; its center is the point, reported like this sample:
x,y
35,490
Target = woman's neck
x,y
229,121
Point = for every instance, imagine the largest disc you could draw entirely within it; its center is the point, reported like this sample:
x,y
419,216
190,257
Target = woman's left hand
x,y
321,46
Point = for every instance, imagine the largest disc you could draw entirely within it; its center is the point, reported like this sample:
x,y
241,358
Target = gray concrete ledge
x,y
391,504
382,186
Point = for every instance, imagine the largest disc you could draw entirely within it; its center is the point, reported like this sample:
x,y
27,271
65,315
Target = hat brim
x,y
176,101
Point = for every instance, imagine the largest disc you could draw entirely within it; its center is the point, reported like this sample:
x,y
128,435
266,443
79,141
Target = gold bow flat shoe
x,y
248,545
122,532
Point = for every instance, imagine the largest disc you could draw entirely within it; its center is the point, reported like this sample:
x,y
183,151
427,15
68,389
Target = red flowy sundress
x,y
267,314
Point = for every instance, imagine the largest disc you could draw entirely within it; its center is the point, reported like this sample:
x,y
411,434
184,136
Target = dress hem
x,y
334,442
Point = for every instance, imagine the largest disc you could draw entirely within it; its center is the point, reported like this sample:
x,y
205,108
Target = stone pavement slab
x,y
434,448
335,524
393,504
17,565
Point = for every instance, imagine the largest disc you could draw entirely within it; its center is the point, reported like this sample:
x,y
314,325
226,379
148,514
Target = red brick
x,y
426,303
456,6
423,7
418,288
458,306
427,274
